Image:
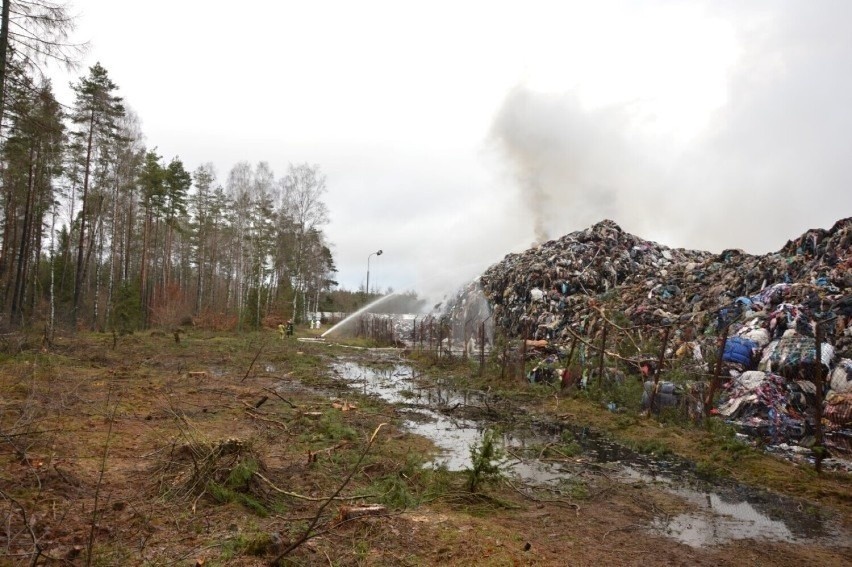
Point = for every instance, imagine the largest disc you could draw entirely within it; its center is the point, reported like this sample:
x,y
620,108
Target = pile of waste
x,y
561,283
768,306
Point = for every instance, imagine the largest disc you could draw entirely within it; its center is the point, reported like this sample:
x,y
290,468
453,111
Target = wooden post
x,y
819,448
660,360
482,348
503,360
601,357
571,352
714,384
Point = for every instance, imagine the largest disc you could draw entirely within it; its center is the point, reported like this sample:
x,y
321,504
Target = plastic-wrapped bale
x,y
758,335
791,352
841,377
668,395
838,408
739,350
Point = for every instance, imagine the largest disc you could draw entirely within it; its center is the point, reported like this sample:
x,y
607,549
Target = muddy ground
x,y
227,450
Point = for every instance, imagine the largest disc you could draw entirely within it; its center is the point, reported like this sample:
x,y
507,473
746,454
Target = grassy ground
x,y
226,450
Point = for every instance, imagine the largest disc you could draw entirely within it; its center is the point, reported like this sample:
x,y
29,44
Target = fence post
x,y
503,360
601,359
714,384
482,348
571,352
819,449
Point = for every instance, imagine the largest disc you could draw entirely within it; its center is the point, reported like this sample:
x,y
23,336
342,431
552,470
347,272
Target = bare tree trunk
x,y
112,238
143,269
4,51
259,291
98,263
199,282
78,278
52,318
16,311
35,254
129,239
10,211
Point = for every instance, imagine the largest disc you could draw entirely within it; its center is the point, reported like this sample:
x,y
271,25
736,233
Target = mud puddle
x,y
715,513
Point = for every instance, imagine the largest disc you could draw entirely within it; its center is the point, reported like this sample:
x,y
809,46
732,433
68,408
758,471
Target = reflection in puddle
x,y
397,385
719,514
717,521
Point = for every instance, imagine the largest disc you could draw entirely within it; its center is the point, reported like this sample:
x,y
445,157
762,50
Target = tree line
x,y
98,231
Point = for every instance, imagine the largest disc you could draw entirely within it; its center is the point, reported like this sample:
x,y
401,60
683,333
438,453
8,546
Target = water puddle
x,y
716,520
715,514
721,513
398,385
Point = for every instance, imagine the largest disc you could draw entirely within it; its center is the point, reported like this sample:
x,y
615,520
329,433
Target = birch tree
x,y
304,210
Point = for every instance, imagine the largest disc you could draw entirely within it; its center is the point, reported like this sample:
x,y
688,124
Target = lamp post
x,y
377,253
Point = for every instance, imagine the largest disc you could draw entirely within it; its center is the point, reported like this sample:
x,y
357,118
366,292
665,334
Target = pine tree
x,y
32,157
96,113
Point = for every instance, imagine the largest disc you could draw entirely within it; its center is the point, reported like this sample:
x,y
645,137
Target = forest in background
x,y
99,231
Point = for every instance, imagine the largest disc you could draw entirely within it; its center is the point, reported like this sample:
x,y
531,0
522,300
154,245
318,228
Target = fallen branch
x,y
309,498
252,414
597,348
352,512
37,550
280,397
307,533
253,360
544,500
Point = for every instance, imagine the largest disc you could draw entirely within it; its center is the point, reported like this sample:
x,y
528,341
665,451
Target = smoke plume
x,y
770,162
573,167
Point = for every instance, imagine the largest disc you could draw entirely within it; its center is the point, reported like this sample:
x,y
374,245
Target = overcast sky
x,y
455,132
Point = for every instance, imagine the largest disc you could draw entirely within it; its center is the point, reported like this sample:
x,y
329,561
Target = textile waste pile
x,y
767,306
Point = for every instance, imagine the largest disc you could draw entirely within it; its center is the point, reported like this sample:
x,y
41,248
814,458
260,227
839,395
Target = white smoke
x,y
573,166
769,163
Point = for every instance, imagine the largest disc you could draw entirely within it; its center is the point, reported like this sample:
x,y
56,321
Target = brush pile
x,y
223,469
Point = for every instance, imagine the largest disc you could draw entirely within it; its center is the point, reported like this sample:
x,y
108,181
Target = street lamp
x,y
377,253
